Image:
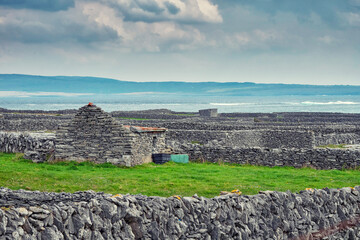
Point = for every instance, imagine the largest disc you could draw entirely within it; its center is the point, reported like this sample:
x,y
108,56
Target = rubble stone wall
x,y
21,125
246,138
14,142
38,145
145,144
312,214
337,138
319,158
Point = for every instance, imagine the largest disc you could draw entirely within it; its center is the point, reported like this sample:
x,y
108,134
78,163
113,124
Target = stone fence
x,y
337,138
319,158
150,116
20,125
300,116
38,145
245,138
312,214
14,142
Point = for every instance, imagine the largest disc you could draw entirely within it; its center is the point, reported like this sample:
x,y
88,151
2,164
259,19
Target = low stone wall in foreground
x,y
312,214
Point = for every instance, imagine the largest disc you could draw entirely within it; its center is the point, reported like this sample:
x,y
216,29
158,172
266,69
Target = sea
x,y
189,103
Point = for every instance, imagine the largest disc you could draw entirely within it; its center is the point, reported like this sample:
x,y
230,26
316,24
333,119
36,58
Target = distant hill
x,y
30,83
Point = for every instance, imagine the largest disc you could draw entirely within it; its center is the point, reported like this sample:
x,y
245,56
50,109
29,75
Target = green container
x,y
180,158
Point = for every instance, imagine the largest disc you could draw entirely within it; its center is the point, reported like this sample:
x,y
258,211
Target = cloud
x,y
172,8
166,10
44,5
353,19
328,11
177,25
139,25
143,36
254,39
326,39
285,26
31,27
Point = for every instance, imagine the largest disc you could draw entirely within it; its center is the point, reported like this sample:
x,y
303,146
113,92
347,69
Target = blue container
x,y
161,158
180,158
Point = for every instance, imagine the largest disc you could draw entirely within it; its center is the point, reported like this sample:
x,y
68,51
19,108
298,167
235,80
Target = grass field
x,y
205,179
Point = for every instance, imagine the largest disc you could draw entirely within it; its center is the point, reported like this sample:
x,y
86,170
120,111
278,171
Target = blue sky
x,y
265,41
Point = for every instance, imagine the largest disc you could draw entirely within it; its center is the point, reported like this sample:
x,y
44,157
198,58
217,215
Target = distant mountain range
x,y
66,84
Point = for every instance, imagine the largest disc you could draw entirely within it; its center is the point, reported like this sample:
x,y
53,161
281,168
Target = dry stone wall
x,y
313,214
246,138
319,158
145,144
21,125
337,138
14,142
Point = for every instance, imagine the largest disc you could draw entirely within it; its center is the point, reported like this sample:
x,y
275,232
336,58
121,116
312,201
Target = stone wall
x,y
152,114
299,117
245,138
337,138
319,158
21,125
145,144
14,142
312,214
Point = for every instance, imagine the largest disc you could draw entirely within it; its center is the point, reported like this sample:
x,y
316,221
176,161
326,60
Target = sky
x,y
263,41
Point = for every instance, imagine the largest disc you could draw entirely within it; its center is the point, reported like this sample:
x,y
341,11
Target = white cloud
x,y
265,35
251,39
353,19
141,35
103,15
326,39
165,10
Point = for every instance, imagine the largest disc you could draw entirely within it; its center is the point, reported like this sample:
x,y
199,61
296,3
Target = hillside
x,y
70,84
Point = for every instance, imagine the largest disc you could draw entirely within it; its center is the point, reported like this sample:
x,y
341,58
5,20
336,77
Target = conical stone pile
x,y
94,135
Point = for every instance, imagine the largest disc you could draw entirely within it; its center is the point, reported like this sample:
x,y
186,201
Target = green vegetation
x,y
333,146
133,118
256,119
182,114
205,179
196,142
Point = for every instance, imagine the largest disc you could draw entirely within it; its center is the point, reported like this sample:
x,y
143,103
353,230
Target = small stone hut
x,y
212,112
93,135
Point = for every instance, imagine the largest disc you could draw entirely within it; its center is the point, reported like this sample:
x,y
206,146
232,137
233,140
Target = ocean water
x,y
189,103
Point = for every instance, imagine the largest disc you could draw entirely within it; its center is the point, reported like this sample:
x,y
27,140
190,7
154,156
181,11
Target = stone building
x,y
95,136
213,112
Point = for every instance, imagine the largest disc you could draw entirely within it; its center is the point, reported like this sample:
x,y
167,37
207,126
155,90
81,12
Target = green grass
x,y
181,114
205,179
333,146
